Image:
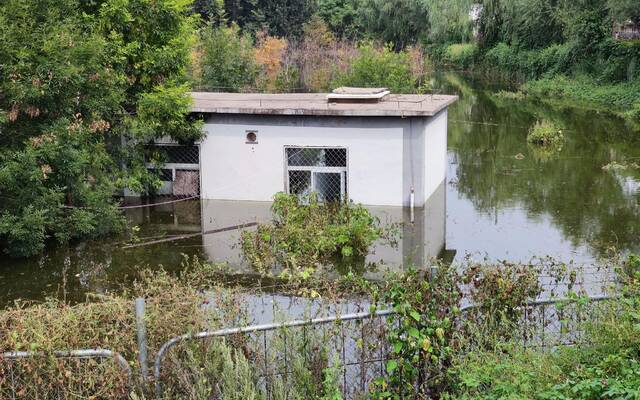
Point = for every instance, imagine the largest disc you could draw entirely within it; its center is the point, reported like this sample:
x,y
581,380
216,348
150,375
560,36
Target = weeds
x,y
435,349
545,133
303,237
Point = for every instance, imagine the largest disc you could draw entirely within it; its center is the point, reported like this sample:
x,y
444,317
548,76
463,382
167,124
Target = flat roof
x,y
392,105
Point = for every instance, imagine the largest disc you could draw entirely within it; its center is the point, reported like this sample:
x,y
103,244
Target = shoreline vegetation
x,y
475,354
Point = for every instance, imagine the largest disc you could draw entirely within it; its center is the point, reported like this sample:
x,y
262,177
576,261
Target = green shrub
x,y
461,55
304,236
380,67
226,61
606,365
545,133
502,57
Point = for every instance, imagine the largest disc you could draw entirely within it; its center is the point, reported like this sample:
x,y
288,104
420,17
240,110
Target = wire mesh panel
x,y
174,153
317,170
282,362
47,377
301,358
179,168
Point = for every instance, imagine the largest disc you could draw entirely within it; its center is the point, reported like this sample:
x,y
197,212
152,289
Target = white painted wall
x,y
234,170
386,156
435,161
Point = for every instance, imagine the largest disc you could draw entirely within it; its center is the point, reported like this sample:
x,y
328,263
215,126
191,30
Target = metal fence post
x,y
433,270
141,331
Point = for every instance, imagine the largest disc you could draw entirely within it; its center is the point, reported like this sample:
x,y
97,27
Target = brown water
x,y
504,200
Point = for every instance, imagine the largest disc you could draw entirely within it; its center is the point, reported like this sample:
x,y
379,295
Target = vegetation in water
x,y
545,133
307,234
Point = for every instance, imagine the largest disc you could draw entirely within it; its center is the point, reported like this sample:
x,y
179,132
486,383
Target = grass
x,y
474,362
622,99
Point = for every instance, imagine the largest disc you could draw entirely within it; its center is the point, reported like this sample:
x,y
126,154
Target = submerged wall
x,y
385,155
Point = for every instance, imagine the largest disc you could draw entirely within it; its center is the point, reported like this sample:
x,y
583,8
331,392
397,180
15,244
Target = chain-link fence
x,y
353,346
279,360
317,170
178,167
64,374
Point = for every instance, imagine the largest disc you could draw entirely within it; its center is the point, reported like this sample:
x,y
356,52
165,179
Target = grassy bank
x,y
620,98
553,75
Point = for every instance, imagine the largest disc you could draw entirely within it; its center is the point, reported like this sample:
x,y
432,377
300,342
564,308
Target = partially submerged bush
x,y
545,133
304,236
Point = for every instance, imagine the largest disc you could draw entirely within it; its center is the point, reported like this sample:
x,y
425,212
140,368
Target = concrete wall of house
x,y
435,153
231,169
421,242
385,155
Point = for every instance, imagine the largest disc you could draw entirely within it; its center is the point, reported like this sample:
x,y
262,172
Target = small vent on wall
x,y
346,94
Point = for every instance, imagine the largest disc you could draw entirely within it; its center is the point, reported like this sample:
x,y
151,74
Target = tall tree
x,y
74,77
401,22
286,17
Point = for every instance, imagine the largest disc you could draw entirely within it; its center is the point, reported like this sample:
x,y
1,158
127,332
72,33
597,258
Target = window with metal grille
x,y
319,170
165,175
175,154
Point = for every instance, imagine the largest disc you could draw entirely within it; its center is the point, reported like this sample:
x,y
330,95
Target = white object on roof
x,y
356,93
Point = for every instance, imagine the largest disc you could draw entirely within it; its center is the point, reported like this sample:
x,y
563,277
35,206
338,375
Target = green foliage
x,y
92,72
623,10
461,55
585,91
380,68
226,59
606,367
285,18
529,64
498,293
448,22
305,236
421,333
532,24
161,113
545,133
342,17
401,22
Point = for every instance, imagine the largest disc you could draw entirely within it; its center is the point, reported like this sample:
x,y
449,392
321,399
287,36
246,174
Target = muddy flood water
x,y
502,200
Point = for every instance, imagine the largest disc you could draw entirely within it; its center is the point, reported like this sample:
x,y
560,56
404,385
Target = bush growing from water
x,y
545,133
305,235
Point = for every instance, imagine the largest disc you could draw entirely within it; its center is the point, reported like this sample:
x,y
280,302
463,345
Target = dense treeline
x,y
515,39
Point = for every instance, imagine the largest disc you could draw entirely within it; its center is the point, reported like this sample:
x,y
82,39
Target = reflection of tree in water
x,y
105,265
587,204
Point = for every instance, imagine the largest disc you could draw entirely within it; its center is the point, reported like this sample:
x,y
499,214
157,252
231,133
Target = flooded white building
x,y
367,146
